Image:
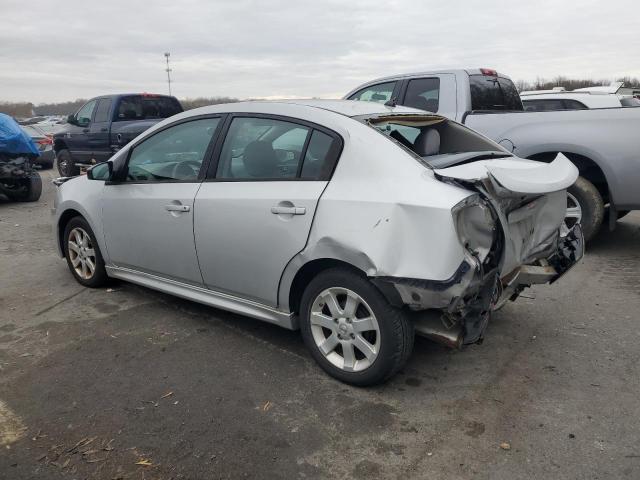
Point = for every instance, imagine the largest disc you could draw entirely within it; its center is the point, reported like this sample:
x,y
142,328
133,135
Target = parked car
x,y
105,124
44,143
18,180
580,99
355,222
603,143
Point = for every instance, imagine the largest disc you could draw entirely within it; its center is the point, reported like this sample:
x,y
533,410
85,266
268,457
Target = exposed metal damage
x,y
511,242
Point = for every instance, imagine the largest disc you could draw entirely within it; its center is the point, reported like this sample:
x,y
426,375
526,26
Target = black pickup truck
x,y
105,124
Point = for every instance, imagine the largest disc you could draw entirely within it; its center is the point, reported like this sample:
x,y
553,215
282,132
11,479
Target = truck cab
x,y
105,124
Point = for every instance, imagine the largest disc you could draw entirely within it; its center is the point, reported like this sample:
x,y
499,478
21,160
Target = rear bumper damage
x,y
456,311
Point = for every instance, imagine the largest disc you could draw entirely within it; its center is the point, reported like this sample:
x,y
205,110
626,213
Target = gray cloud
x,y
250,48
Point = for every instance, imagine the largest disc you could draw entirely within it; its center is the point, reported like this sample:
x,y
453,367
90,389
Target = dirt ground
x,y
130,383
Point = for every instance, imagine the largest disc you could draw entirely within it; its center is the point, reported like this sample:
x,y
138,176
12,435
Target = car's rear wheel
x,y
83,254
584,206
351,330
66,164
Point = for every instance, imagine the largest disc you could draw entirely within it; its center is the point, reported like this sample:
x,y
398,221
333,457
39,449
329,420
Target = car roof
x,y
348,108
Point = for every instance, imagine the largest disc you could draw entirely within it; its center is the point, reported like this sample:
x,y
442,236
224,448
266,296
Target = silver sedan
x,y
358,223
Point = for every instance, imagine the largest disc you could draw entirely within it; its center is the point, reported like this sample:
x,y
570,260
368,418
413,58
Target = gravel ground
x,y
130,383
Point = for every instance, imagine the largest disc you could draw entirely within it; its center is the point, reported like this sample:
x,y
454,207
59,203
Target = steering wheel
x,y
185,170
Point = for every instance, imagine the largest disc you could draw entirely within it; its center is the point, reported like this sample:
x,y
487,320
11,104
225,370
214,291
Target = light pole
x,y
168,70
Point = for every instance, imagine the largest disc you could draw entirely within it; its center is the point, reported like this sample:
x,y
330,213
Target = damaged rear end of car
x,y
510,227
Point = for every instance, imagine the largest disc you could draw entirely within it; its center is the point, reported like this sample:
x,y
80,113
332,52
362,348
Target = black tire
x,y
396,330
99,277
33,186
591,204
66,164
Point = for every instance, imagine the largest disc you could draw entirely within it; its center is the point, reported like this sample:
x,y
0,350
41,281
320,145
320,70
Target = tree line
x,y
27,109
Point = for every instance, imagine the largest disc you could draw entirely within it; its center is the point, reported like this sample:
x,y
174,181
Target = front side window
x,y
83,117
174,154
380,93
423,93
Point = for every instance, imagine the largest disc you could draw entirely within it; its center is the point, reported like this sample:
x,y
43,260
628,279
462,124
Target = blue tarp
x,y
13,140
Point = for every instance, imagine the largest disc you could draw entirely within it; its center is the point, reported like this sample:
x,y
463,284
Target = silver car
x,y
355,222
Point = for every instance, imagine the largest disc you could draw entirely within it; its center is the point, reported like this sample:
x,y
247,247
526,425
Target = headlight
x,y
475,225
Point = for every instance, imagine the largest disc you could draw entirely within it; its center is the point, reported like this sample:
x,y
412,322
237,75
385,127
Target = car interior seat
x,y
260,159
427,142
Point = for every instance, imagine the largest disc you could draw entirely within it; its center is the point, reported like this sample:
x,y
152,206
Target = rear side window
x,y
102,112
257,148
318,159
423,93
630,102
147,107
380,93
493,93
551,104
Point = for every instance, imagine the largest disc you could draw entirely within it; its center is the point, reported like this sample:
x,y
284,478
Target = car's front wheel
x,y
351,330
83,254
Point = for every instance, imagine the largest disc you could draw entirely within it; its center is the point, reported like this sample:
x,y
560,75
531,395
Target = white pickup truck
x,y
604,143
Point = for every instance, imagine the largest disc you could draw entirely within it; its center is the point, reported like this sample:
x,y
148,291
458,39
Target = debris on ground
x,y
505,446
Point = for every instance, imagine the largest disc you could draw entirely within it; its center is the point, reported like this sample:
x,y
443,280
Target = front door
x,y
255,212
148,212
77,138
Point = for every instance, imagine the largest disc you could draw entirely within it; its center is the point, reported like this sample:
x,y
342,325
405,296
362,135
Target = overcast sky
x,y
63,50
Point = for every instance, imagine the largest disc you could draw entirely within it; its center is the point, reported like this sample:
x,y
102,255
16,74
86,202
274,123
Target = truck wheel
x,y
584,206
351,330
66,164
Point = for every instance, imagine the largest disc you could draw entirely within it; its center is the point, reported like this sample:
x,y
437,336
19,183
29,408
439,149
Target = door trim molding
x,y
205,296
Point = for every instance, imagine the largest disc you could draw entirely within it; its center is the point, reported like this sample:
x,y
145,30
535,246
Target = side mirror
x,y
71,119
101,171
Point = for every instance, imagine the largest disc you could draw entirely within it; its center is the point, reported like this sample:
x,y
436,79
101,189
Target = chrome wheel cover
x,y
573,214
82,255
344,329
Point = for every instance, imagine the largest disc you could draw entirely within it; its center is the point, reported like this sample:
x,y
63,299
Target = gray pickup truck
x,y
603,143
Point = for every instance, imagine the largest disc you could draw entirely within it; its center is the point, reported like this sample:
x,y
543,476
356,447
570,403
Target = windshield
x,y
493,93
435,140
146,107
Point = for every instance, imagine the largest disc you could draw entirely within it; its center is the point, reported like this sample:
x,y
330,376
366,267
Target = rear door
x,y
254,212
99,131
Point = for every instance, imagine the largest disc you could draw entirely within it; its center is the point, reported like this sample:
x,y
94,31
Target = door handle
x,y
85,130
177,208
278,210
104,129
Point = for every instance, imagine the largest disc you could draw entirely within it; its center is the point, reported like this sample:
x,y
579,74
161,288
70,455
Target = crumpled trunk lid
x,y
529,198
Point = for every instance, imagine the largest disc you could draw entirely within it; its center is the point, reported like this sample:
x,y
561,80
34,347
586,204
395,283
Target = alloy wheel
x,y
81,253
574,212
345,329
